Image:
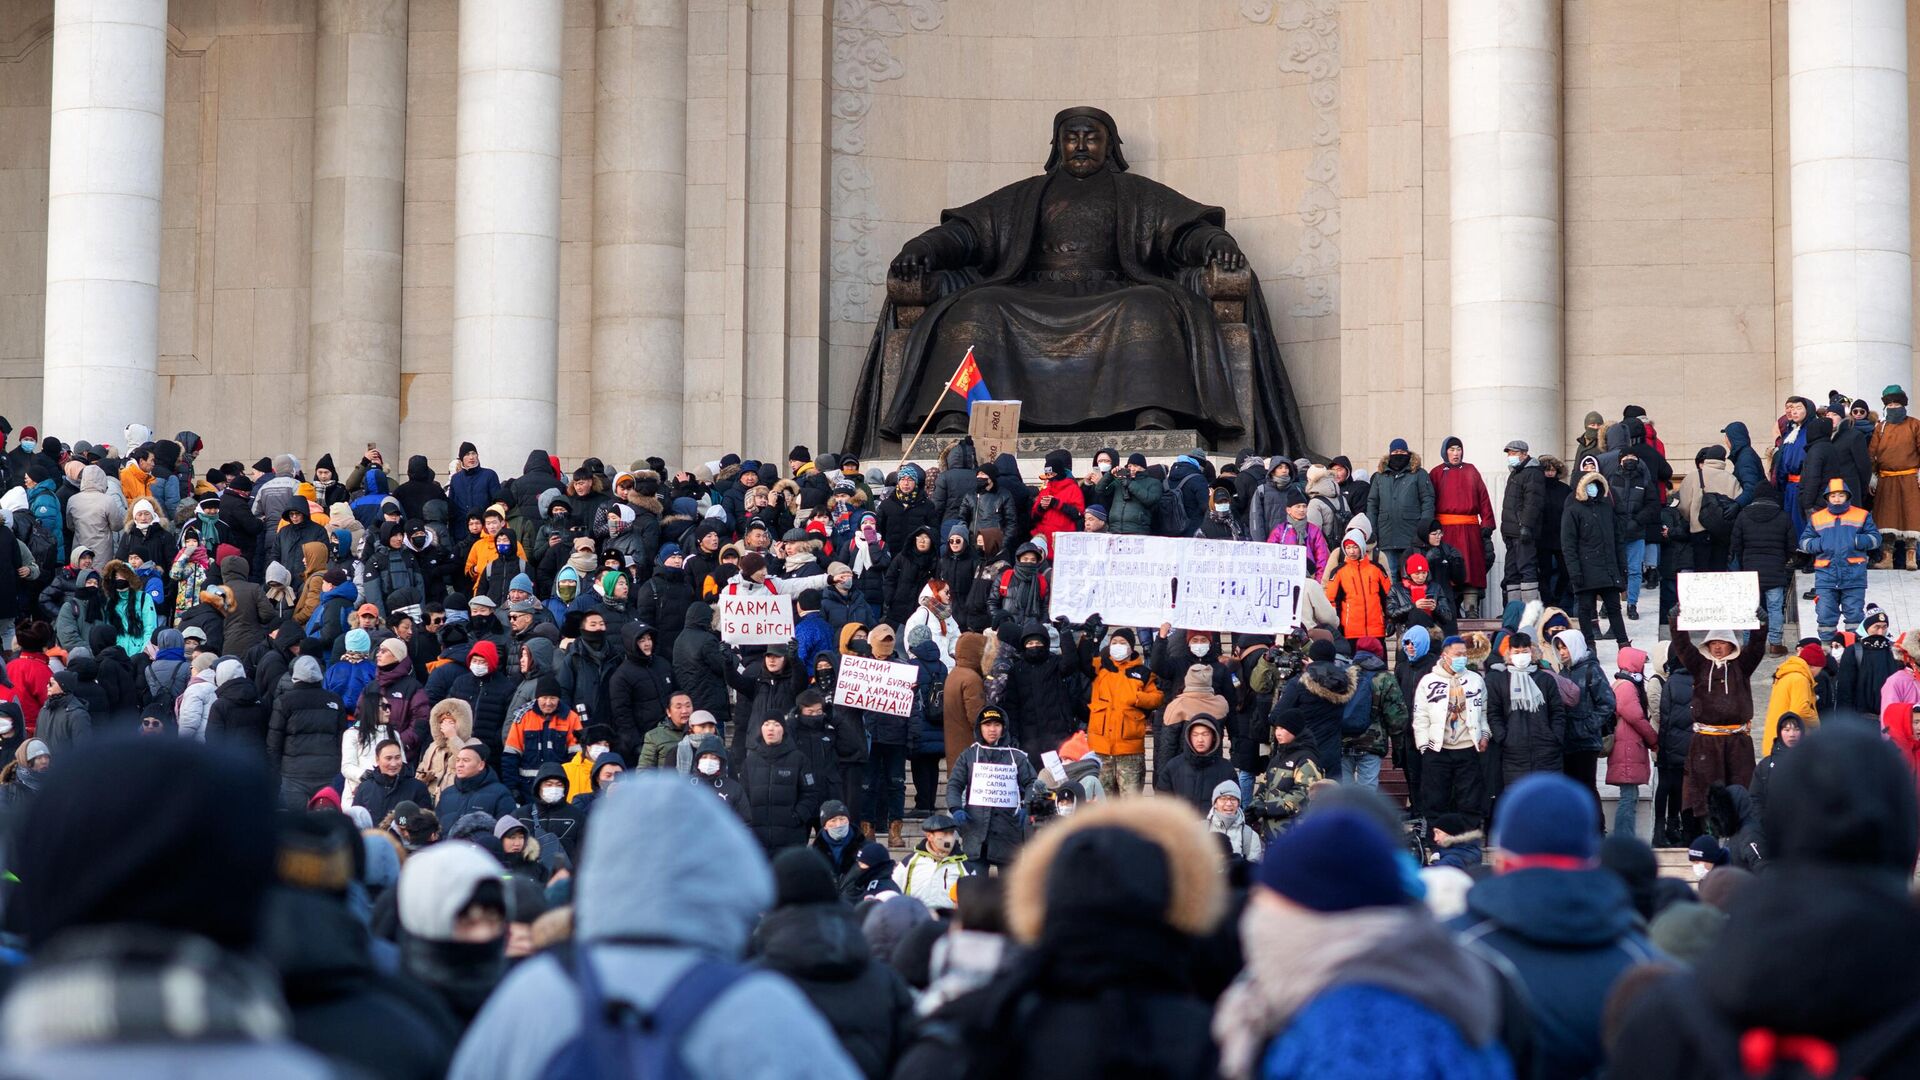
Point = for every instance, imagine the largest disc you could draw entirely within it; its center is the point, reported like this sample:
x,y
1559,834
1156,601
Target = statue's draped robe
x,y
1081,299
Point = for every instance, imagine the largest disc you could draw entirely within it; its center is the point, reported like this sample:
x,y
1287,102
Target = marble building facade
x,y
661,226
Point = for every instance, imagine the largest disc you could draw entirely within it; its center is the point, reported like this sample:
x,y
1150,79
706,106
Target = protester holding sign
x,y
985,782
1722,748
756,618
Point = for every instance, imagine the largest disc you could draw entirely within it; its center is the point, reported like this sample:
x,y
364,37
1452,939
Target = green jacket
x,y
1389,719
657,750
1281,792
1130,502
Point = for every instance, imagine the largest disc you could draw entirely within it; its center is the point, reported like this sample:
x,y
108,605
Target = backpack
x,y
1722,1050
1357,716
933,702
618,1038
1170,513
1342,516
1716,514
39,540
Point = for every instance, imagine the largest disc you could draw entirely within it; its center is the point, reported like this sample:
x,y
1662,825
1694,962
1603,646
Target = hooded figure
x,y
660,849
985,778
1198,767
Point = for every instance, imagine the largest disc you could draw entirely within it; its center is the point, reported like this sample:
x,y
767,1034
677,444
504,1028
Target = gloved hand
x,y
960,817
1526,534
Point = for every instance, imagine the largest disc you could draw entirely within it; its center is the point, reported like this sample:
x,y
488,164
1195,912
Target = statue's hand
x,y
1225,254
911,264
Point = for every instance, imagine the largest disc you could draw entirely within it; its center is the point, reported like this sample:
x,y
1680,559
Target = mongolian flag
x,y
967,382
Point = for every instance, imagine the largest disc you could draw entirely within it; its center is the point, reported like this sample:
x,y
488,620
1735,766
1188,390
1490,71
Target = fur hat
x,y
1070,872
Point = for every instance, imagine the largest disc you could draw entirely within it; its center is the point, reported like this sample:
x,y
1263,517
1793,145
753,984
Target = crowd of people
x,y
314,771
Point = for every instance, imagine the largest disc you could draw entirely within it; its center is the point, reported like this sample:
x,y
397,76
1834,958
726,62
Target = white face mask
x,y
835,833
479,669
1522,662
1200,648
1065,809
1701,870
552,793
594,752
1119,650
709,766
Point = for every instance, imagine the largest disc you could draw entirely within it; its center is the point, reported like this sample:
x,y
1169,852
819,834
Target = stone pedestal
x,y
103,217
506,226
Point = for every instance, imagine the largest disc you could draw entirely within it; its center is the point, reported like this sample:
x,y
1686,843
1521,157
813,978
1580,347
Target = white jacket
x,y
928,879
195,703
356,759
1430,713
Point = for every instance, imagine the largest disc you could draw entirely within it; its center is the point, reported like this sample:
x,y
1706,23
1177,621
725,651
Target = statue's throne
x,y
1226,289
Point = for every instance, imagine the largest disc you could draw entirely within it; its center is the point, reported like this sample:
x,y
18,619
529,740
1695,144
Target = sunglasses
x,y
435,624
150,725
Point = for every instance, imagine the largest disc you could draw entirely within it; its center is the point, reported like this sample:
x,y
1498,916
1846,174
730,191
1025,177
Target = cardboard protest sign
x,y
756,619
994,426
1728,601
875,685
1127,580
994,784
1239,587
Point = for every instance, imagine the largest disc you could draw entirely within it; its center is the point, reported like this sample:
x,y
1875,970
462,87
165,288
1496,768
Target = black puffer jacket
x,y
1529,740
820,947
1590,539
238,717
1763,539
763,694
639,690
1319,697
783,795
661,602
303,736
700,663
1842,457
535,479
1193,776
1676,719
1045,699
1523,507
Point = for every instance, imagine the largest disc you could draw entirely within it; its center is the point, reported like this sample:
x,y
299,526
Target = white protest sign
x,y
756,619
875,685
1719,601
1127,580
1239,587
1055,769
994,784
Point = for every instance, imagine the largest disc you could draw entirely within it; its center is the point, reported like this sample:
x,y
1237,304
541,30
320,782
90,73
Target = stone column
x,y
1504,179
103,217
506,229
1852,265
359,176
639,226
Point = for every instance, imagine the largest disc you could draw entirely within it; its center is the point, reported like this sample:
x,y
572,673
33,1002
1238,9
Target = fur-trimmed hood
x,y
1198,888
1580,489
1330,682
785,486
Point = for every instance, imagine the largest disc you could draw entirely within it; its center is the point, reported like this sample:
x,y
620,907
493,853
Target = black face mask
x,y
593,637
1398,461
1035,652
981,483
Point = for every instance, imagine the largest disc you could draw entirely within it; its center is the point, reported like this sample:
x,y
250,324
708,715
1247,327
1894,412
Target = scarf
x,y
1522,691
863,549
1291,956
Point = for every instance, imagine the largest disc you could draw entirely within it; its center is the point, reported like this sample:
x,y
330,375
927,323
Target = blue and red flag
x,y
967,382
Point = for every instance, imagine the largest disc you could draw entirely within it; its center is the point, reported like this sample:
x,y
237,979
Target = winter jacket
x,y
64,722
1045,698
783,795
1527,740
638,690
380,794
1676,719
820,948
238,717
1864,669
964,695
1763,539
303,734
1123,693
96,514
534,740
1435,727
1840,544
994,833
900,518
1130,502
1317,699
700,663
1747,470
1359,590
763,694
481,791
1590,540
1303,534
1566,935
1842,457
1065,507
1523,506
929,878
407,704
1589,719
1188,774
1722,692
1634,737
1792,693
991,509
1400,504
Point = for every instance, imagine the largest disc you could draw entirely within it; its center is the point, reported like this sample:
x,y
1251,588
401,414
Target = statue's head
x,y
1085,141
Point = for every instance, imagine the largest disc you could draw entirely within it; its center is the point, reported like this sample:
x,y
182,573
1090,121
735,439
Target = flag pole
x,y
945,389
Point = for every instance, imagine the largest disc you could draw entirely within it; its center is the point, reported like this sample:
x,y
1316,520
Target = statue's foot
x,y
950,424
1152,420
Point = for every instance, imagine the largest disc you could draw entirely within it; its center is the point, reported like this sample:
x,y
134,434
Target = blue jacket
x,y
927,734
347,680
472,490
1839,544
660,848
1568,935
1747,470
814,635
1355,1032
483,792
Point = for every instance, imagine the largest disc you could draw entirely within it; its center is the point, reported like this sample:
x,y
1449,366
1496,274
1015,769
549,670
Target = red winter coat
x,y
1634,739
1064,515
1896,720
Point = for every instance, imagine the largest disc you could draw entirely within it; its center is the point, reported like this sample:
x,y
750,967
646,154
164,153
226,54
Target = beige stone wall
x,y
821,134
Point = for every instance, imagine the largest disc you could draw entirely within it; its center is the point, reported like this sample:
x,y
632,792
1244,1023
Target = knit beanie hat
x,y
1548,814
359,642
752,563
1334,860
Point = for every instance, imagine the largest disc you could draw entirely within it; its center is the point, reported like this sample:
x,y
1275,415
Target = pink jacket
x,y
1307,535
1633,737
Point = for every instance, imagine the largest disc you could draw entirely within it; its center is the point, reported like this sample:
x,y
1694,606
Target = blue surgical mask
x,y
1593,491
1514,460
29,445
1458,664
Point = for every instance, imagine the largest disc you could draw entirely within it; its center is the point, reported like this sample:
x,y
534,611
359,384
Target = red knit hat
x,y
1814,654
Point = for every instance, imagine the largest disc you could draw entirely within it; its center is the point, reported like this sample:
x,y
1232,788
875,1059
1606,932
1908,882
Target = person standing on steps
x,y
1522,523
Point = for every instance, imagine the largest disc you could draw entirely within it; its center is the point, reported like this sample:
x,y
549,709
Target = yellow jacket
x,y
1792,693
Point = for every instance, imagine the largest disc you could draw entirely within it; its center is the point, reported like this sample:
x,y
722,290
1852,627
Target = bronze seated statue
x,y
1098,298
